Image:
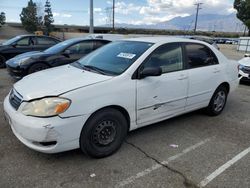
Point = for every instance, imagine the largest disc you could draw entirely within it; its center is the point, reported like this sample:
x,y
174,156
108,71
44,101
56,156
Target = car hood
x,y
29,54
245,61
56,81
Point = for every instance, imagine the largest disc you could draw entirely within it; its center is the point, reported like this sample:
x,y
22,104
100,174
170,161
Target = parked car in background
x,y
244,68
206,39
61,54
24,43
127,84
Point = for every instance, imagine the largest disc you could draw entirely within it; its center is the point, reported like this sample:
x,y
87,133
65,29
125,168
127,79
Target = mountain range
x,y
206,22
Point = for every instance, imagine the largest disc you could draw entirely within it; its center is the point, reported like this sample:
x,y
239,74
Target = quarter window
x,y
199,55
168,57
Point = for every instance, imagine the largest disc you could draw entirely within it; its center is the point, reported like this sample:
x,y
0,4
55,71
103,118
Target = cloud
x,y
154,11
62,15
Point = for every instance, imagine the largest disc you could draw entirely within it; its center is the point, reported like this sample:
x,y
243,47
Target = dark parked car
x,y
61,54
24,43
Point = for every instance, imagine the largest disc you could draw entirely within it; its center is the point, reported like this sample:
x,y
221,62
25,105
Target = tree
x,y
48,18
29,17
243,12
2,19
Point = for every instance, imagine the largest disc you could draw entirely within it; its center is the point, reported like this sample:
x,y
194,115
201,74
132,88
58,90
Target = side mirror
x,y
247,55
150,71
14,44
66,53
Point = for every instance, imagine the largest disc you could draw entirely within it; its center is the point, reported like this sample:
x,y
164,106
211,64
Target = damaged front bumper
x,y
47,135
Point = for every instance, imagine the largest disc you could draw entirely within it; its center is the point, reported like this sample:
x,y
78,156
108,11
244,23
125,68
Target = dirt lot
x,y
211,152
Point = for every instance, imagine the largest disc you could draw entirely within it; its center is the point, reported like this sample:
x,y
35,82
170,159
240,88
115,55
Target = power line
x,y
198,8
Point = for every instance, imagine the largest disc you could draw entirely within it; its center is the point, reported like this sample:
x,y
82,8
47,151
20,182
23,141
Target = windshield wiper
x,y
93,68
77,64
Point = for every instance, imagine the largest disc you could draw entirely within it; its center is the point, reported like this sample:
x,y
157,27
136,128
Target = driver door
x,y
74,53
25,44
162,96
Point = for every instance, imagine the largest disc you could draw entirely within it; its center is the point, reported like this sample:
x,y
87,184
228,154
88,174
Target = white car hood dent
x,y
245,61
56,81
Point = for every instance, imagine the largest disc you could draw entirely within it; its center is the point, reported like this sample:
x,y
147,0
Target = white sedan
x,y
94,102
244,68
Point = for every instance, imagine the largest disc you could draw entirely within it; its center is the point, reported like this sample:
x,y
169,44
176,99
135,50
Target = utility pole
x,y
113,15
198,7
91,21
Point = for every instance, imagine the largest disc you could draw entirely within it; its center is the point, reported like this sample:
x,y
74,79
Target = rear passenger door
x,y
204,74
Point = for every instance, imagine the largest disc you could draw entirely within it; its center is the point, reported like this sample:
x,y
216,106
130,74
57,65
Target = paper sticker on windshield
x,y
126,55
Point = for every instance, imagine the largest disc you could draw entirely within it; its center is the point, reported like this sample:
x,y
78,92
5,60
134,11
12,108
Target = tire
x,y
2,61
37,67
104,133
218,101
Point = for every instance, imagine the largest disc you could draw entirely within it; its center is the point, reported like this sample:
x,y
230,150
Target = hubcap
x,y
219,101
104,133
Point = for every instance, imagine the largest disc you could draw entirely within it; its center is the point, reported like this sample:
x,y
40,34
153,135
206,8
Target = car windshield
x,y
12,40
59,47
114,58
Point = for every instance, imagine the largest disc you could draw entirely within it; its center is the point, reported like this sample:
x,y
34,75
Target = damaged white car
x,y
94,102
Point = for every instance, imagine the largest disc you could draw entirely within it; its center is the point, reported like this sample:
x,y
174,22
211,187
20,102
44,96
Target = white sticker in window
x,y
126,55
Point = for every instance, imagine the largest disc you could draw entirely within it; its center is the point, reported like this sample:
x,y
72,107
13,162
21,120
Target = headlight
x,y
46,107
241,67
22,61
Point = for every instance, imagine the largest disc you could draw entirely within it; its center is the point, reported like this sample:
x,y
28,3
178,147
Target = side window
x,y
45,41
98,44
168,57
199,55
24,42
81,48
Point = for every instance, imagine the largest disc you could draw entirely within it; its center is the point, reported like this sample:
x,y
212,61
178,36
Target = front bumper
x,y
244,76
16,72
47,135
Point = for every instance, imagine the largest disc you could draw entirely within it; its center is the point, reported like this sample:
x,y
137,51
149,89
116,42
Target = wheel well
x,y
41,62
226,85
120,109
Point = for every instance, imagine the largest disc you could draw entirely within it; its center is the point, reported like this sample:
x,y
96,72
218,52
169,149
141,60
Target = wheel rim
x,y
219,101
104,133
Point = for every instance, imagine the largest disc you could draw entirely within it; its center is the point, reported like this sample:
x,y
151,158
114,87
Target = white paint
x,y
157,166
221,169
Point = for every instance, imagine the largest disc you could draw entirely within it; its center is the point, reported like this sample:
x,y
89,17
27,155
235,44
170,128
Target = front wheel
x,y
37,67
103,133
217,102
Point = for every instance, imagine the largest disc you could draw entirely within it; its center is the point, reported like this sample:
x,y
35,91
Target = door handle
x,y
216,71
183,77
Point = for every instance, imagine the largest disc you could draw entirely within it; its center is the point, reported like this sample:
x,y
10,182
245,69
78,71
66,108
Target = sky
x,y
76,12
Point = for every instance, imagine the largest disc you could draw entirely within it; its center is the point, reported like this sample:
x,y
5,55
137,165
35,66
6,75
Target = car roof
x,y
162,39
85,39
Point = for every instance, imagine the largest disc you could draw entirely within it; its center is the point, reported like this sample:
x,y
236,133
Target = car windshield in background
x,y
59,47
114,58
9,42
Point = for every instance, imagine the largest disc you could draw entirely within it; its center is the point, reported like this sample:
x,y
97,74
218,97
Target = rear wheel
x,y
103,133
2,61
217,102
37,67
